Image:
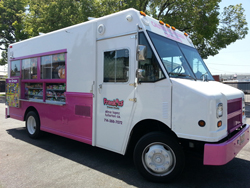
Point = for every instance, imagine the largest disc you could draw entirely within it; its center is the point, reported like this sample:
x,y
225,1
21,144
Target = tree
x,y
210,29
11,24
49,15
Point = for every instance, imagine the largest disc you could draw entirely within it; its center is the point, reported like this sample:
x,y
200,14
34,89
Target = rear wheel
x,y
159,157
33,125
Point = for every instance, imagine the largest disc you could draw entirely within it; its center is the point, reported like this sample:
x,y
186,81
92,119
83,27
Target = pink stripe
x,y
38,68
84,95
45,80
233,114
234,100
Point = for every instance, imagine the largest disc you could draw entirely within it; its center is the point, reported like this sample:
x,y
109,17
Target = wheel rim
x,y
158,159
31,125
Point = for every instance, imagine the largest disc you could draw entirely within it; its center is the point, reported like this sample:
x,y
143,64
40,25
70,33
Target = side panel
x,y
154,102
73,120
80,43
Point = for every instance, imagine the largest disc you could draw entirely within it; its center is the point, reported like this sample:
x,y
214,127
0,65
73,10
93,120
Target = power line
x,y
232,51
225,64
225,71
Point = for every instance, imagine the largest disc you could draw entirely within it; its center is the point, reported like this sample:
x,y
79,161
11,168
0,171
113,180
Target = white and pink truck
x,y
126,82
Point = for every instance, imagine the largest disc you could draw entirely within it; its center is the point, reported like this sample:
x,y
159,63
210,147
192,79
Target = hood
x,y
209,88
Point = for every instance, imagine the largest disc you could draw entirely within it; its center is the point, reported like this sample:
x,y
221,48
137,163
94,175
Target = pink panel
x,y
63,120
220,154
17,113
234,114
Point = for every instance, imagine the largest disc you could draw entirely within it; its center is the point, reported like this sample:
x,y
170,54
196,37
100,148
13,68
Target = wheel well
x,y
144,127
31,108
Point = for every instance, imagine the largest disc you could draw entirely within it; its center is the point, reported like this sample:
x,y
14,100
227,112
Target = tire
x,y
33,125
159,157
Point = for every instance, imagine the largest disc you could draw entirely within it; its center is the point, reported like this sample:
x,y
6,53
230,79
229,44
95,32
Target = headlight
x,y
219,111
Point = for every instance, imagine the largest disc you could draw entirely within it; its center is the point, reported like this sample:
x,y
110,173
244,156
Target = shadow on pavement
x,y
195,175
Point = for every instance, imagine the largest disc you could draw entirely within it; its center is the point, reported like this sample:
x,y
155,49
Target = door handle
x,y
100,88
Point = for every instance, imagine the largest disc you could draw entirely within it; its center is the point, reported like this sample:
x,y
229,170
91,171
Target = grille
x,y
234,114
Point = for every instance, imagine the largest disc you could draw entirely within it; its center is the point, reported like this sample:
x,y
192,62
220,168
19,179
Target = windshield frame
x,y
185,63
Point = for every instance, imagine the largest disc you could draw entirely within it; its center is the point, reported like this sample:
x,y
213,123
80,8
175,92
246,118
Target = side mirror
x,y
139,73
141,53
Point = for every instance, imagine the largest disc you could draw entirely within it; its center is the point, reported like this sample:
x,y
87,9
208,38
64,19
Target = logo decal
x,y
115,103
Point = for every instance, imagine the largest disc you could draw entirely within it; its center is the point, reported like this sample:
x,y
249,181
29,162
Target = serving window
x,y
29,68
43,77
53,66
34,91
55,92
15,68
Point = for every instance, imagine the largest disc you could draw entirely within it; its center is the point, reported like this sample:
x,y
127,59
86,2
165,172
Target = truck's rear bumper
x,y
220,154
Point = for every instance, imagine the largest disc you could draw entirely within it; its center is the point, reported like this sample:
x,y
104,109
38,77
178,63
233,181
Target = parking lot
x,y
54,161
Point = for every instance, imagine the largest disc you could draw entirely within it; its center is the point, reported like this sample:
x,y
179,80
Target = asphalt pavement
x,y
54,161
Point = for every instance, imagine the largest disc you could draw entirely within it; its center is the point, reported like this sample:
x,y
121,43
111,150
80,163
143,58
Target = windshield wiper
x,y
181,74
204,76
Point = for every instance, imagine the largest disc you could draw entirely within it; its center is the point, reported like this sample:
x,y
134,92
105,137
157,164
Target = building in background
x,y
240,81
235,77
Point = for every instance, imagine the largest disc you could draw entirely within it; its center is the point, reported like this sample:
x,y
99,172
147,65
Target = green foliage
x,y
48,15
12,13
233,26
4,59
209,29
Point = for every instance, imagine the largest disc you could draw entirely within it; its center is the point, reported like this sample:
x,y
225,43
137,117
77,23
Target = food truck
x,y
126,82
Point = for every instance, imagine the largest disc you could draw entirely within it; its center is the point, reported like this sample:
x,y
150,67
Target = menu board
x,y
13,92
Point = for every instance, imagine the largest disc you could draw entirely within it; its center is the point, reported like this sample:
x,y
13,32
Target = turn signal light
x,y
202,123
161,22
168,25
219,124
142,13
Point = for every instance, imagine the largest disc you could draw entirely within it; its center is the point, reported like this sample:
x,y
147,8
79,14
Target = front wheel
x,y
159,157
33,125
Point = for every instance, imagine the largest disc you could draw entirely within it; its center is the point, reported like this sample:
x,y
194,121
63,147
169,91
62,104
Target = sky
x,y
235,59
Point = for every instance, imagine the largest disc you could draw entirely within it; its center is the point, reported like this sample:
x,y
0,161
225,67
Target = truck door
x,y
116,65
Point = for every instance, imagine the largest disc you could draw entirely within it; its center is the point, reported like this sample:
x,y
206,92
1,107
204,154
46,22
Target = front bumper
x,y
222,153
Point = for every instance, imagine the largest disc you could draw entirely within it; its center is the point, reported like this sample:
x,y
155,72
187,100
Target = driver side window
x,y
152,70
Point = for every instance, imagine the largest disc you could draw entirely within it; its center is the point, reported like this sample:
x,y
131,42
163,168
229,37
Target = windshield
x,y
180,61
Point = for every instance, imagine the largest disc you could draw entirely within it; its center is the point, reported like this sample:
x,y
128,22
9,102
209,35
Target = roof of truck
x,y
119,22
